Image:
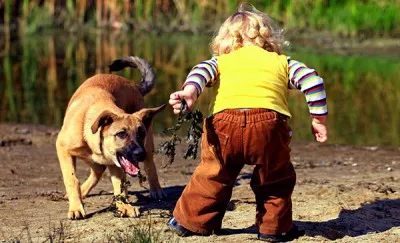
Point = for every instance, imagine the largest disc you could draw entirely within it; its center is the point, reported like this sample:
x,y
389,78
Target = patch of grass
x,y
54,234
137,231
142,232
58,234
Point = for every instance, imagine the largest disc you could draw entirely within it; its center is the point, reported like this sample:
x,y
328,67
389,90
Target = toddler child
x,y
251,79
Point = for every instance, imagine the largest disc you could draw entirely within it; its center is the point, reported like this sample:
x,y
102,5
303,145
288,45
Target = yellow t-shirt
x,y
251,77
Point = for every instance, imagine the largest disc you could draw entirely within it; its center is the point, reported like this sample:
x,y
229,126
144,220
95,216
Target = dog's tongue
x,y
129,167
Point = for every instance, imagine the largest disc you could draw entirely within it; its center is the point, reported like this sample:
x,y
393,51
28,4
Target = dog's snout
x,y
134,153
139,154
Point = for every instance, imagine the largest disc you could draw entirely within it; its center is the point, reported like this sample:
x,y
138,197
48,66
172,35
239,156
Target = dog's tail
x,y
148,75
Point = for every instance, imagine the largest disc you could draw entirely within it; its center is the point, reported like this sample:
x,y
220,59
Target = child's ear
x,y
147,114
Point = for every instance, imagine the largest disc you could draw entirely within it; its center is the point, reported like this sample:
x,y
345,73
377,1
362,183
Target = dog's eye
x,y
122,134
141,133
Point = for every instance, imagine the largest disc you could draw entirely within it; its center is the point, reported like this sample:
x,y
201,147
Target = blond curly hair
x,y
248,26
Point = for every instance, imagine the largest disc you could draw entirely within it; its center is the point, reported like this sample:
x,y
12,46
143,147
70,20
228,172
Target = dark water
x,y
39,74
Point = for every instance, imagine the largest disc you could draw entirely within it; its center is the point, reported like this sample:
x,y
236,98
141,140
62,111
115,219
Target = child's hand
x,y
189,93
319,129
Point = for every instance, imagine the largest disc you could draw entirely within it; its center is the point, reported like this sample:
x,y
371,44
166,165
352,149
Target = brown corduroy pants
x,y
231,139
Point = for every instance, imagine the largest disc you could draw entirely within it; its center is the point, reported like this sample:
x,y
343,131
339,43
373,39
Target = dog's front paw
x,y
76,211
158,195
126,210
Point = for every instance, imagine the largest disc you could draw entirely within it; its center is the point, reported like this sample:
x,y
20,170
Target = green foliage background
x,y
349,18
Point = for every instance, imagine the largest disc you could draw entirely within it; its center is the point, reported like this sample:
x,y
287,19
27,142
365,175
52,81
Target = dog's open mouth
x,y
130,167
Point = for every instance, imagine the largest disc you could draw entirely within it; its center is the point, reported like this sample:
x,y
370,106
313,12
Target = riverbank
x,y
343,194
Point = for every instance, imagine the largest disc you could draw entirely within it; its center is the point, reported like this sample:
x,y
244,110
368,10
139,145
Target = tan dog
x,y
107,126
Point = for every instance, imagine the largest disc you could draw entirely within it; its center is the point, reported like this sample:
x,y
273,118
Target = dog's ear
x,y
147,114
104,119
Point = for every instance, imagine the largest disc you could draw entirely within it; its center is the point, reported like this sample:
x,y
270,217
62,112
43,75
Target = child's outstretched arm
x,y
189,93
202,75
307,80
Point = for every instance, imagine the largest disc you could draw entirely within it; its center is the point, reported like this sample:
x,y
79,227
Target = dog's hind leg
x,y
156,191
118,180
96,171
71,182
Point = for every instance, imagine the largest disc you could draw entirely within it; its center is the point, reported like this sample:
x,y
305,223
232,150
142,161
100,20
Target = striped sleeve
x,y
307,80
203,75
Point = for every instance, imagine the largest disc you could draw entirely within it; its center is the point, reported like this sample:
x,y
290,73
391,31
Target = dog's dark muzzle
x,y
134,153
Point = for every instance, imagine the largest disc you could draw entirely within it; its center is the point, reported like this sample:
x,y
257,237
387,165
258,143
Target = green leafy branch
x,y
195,119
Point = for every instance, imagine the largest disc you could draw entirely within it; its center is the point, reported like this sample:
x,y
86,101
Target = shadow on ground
x,y
378,216
147,204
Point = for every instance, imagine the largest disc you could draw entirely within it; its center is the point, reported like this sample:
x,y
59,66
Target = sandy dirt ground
x,y
343,194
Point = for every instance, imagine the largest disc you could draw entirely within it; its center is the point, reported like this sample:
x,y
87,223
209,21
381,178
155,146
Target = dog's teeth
x,y
117,164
